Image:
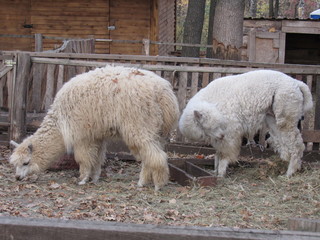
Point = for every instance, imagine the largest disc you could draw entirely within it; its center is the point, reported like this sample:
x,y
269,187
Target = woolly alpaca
x,y
112,102
234,107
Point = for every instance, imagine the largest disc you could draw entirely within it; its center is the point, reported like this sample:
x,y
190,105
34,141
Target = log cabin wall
x,y
131,21
98,19
14,20
73,18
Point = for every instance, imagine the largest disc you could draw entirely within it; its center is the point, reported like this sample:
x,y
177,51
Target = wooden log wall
x,y
79,19
187,76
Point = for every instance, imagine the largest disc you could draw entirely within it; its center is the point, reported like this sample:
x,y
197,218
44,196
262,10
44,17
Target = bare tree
x,y
228,29
273,8
271,11
213,3
253,8
276,8
193,27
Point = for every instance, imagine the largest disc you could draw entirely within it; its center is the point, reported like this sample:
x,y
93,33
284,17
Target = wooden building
x,y
132,20
282,41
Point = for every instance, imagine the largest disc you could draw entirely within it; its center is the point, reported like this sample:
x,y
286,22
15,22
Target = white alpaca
x,y
234,107
112,102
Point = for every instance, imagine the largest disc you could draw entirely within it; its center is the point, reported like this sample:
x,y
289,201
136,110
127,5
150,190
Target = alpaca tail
x,y
170,111
307,97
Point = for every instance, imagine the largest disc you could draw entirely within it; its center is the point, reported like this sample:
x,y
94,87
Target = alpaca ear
x,y
30,148
197,115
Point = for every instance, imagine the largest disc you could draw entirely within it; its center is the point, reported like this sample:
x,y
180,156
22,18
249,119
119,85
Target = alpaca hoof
x,y
221,174
95,180
140,185
83,182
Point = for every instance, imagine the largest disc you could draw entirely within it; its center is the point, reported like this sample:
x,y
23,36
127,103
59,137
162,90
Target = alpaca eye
x,y
26,164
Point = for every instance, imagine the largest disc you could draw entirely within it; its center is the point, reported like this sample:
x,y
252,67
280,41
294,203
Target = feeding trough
x,y
186,172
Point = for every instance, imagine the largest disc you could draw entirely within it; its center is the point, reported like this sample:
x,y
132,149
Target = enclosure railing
x,y
38,39
30,80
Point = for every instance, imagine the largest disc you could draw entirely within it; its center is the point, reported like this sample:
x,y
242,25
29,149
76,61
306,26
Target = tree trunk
x,y
276,8
253,8
213,3
193,27
271,12
228,29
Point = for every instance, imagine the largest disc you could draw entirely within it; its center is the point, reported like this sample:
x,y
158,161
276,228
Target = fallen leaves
x,y
245,199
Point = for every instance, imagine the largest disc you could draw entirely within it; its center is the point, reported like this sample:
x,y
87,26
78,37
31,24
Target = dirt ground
x,y
249,197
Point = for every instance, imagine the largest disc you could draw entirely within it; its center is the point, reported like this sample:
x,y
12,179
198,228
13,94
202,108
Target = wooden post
x,y
60,77
38,42
182,90
49,95
146,46
317,110
182,96
19,99
194,83
282,47
299,224
38,75
252,46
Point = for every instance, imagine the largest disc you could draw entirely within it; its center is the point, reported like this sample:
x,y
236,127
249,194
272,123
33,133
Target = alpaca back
x,y
107,102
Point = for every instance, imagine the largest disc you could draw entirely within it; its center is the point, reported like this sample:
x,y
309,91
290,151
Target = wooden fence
x,y
30,80
50,229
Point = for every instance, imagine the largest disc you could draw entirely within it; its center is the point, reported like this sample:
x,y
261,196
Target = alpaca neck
x,y
48,146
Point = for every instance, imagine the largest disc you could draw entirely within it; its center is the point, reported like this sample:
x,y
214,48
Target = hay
x,y
253,195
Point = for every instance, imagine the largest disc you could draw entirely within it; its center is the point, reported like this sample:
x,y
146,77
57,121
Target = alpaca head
x,y
203,122
211,123
22,159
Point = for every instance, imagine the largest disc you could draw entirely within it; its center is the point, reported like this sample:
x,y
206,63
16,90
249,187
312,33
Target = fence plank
x,y
60,77
45,229
49,95
299,224
38,72
205,79
182,90
4,70
307,117
317,111
18,109
194,83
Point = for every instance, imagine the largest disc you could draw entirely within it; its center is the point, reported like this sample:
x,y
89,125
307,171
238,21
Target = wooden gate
x,y
7,72
13,94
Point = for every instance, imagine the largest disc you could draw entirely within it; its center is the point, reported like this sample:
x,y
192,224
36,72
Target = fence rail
x,y
48,72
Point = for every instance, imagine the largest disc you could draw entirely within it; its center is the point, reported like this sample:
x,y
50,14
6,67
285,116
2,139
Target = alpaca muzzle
x,y
19,178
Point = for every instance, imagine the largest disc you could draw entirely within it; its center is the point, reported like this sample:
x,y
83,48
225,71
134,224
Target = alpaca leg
x,y
287,114
227,151
146,146
85,155
154,164
145,176
96,169
222,168
276,139
216,162
296,148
